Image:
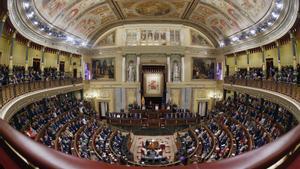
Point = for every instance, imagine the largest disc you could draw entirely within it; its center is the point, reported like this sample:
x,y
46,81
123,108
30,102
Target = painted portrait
x,y
203,68
108,40
103,69
153,84
197,39
153,8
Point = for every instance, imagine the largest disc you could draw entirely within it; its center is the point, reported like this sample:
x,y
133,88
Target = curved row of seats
x,y
235,126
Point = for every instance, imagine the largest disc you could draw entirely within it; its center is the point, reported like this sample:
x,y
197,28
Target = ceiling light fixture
x,y
222,44
26,5
275,15
279,5
70,39
253,32
30,15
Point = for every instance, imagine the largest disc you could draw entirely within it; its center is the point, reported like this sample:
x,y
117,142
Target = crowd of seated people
x,y
152,153
34,75
236,125
20,76
51,73
102,144
83,142
207,141
4,72
253,74
188,145
241,140
66,137
286,75
50,133
223,140
119,144
241,124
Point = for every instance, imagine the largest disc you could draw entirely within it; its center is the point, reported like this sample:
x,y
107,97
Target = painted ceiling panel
x,y
50,9
92,20
219,18
255,9
137,9
75,12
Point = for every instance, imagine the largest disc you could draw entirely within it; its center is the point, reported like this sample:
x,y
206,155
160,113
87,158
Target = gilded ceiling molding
x,y
282,25
32,35
90,22
189,9
116,8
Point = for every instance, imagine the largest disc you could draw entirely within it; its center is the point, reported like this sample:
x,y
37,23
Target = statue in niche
x,y
176,71
131,72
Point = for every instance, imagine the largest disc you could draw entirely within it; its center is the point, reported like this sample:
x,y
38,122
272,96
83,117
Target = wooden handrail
x,y
45,157
9,92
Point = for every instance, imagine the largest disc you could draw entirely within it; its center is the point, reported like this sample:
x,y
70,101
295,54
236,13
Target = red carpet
x,y
5,161
295,164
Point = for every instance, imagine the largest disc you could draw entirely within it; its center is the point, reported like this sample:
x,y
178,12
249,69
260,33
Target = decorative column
x,y
2,22
248,62
71,65
294,52
138,60
225,67
235,63
169,67
294,49
27,58
57,60
138,93
123,68
11,54
43,60
182,68
264,70
278,57
81,64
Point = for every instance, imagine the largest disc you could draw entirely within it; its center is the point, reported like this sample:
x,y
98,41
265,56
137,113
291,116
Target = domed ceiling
x,y
87,20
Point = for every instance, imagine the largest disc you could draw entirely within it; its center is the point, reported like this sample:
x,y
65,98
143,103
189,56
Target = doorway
x,y
36,63
270,68
202,108
61,66
103,108
74,73
227,70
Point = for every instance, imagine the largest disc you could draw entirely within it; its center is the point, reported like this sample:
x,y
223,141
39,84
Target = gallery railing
x,y
289,89
8,92
43,157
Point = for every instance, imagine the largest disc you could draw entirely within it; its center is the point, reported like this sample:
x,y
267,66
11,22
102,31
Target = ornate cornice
x,y
285,21
282,25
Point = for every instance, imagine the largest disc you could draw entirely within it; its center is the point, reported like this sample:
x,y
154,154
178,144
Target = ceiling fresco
x,y
137,9
219,20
